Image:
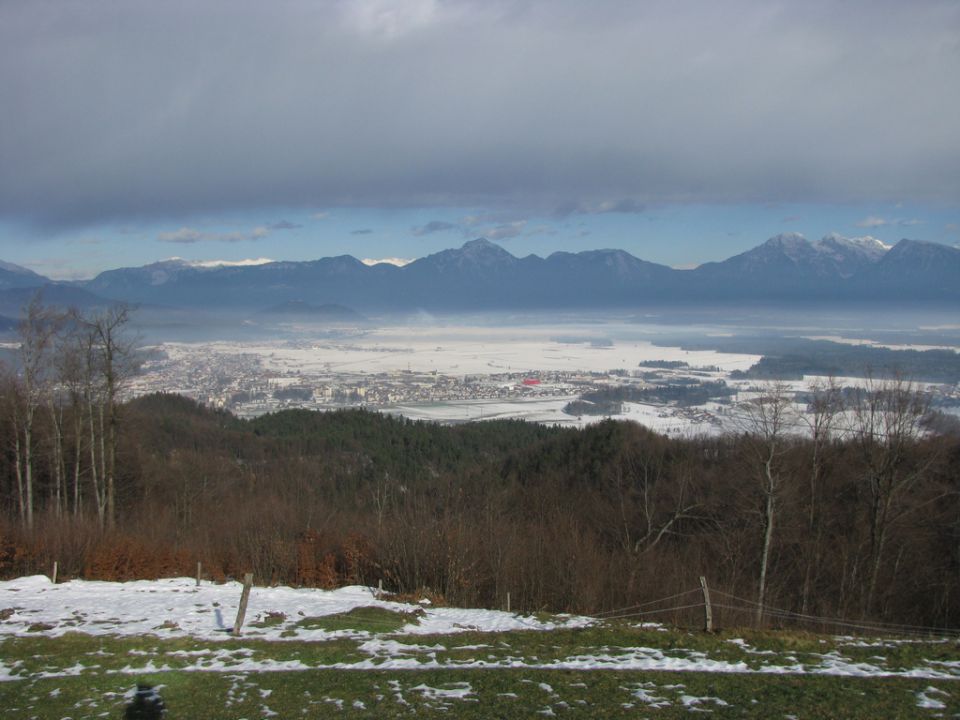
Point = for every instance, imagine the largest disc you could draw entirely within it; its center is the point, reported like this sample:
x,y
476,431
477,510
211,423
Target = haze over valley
x,y
476,333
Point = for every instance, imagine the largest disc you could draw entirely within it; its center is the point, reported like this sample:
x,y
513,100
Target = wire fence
x,y
677,608
739,611
734,611
620,612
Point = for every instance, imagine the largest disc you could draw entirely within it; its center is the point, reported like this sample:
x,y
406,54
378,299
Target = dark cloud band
x,y
117,110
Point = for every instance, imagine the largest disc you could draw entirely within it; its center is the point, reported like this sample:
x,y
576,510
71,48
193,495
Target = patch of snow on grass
x,y
925,701
691,701
454,691
644,694
747,648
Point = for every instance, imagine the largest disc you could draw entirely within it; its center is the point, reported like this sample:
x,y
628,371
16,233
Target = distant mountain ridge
x,y
482,275
14,276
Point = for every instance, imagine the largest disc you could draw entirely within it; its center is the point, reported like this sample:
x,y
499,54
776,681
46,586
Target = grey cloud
x,y
499,226
185,236
622,206
505,231
363,231
601,207
138,110
566,209
874,222
487,218
284,225
190,236
86,241
540,230
433,226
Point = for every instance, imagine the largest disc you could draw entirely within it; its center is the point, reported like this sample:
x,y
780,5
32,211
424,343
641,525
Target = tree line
x,y
59,405
858,516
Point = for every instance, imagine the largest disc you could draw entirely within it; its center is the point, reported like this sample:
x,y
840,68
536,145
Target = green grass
x,y
488,693
83,676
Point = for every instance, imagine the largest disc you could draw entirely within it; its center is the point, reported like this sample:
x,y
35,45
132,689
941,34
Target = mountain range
x,y
481,275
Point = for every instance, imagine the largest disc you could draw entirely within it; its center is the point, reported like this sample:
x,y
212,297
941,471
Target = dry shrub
x,y
323,561
121,557
358,559
15,557
67,541
315,568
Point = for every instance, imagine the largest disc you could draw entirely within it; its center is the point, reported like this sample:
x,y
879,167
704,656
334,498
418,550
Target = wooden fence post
x,y
707,610
508,602
199,572
244,598
53,577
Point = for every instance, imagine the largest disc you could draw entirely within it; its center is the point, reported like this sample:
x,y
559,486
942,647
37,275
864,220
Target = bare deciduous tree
x,y
114,360
766,421
37,331
823,410
887,419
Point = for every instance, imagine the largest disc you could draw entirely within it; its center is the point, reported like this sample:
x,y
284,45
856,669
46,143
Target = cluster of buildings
x,y
241,383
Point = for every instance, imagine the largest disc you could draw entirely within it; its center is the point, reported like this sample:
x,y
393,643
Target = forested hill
x,y
574,520
344,442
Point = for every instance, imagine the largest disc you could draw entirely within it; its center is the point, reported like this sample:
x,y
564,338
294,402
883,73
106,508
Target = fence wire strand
x,y
606,614
747,605
878,625
654,612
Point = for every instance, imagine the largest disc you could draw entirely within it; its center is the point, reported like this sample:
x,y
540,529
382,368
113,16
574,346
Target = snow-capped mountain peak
x,y
246,262
840,247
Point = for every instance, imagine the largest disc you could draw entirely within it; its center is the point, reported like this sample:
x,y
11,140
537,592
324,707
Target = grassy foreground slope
x,y
486,694
78,650
594,671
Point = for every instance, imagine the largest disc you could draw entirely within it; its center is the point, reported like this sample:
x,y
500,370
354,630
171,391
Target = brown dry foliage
x,y
123,557
315,566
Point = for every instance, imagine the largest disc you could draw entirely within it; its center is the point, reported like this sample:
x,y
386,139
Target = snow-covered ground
x,y
177,607
544,410
171,608
873,343
459,351
666,419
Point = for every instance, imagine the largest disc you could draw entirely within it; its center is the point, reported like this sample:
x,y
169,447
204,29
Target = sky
x,y
133,131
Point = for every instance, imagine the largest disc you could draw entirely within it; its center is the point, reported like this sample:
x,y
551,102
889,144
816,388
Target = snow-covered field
x,y
541,410
873,343
177,608
669,420
462,351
